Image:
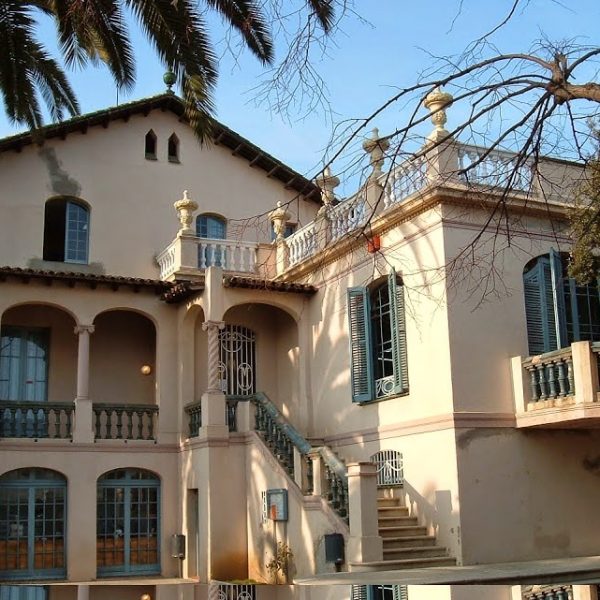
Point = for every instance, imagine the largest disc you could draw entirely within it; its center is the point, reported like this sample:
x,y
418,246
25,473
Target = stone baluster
x,y
83,429
279,217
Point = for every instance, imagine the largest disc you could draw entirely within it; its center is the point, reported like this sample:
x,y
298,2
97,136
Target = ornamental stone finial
x,y
327,182
437,102
185,211
279,217
376,147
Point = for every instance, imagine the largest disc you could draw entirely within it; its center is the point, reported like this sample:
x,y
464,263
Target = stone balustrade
x,y
125,421
558,388
302,244
187,256
52,420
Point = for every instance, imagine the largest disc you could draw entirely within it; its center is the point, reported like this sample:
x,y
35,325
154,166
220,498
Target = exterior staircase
x,y
406,544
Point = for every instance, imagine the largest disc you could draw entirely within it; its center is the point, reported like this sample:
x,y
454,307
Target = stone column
x,y
83,431
364,544
83,592
213,400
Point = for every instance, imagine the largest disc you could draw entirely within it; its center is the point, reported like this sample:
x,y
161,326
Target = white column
x,y
213,400
83,592
83,429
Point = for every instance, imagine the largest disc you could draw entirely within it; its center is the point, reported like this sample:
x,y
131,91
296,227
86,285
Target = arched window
x,y
128,522
173,148
32,524
150,145
66,231
558,310
379,365
211,227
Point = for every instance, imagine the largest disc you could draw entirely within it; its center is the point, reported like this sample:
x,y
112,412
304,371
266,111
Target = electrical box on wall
x,y
178,546
277,504
334,548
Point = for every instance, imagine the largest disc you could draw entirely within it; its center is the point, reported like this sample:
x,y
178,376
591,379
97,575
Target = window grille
x,y
237,358
389,468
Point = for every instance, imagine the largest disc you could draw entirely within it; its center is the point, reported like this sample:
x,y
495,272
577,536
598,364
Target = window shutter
x,y
400,592
359,592
398,329
558,292
361,368
539,308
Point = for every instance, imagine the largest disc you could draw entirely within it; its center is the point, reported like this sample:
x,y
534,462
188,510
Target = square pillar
x,y
585,372
364,544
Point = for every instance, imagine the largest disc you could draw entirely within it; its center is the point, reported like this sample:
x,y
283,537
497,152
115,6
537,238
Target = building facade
x,y
260,365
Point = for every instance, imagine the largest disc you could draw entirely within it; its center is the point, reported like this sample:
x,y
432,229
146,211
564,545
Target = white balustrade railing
x,y
405,179
231,255
496,168
302,244
166,261
347,216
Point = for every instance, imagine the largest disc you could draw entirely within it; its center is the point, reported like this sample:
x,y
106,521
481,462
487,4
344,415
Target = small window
x,y
379,592
173,149
66,231
150,145
379,366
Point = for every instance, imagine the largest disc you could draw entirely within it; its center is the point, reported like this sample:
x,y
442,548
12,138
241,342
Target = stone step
x,y
408,541
396,521
392,511
397,531
409,563
388,502
415,552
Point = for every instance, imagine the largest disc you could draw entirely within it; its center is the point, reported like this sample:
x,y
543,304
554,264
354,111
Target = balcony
x,y
558,389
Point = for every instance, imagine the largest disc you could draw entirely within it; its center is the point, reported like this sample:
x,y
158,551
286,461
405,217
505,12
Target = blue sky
x,y
365,63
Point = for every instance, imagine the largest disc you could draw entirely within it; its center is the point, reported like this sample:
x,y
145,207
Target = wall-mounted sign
x,y
277,503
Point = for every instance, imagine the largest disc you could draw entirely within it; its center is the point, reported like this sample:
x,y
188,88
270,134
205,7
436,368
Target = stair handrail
x,y
333,461
284,425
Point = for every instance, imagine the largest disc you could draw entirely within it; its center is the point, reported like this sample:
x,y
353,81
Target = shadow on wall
x,y
61,182
430,514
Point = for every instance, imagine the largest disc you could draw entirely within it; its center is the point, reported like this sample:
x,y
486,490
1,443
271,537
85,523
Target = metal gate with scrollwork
x,y
237,354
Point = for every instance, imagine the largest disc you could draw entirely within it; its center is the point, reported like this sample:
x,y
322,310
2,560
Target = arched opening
x,y
259,353
38,358
128,522
66,230
558,310
32,524
150,143
173,148
123,375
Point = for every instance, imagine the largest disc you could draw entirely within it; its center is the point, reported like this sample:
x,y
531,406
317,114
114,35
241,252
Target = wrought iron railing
x,y
336,478
52,420
194,412
551,375
548,592
218,590
125,421
281,437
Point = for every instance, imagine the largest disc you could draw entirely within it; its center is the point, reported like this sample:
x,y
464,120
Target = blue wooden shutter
x,y
558,292
361,368
540,307
398,331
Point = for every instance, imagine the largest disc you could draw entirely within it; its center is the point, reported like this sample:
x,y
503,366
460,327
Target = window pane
x,y
76,242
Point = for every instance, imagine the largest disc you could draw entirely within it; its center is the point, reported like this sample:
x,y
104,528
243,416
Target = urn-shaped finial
x,y
327,182
185,211
376,147
437,102
279,217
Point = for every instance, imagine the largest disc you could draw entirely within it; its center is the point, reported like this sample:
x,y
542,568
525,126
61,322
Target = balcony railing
x,y
125,421
52,420
187,255
548,592
558,388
